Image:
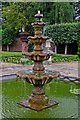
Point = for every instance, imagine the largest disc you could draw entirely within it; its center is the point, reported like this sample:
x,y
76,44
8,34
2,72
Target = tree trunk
x,y
0,48
7,47
65,49
55,49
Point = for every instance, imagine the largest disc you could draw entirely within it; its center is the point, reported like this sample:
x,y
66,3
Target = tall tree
x,y
8,36
77,10
62,12
19,14
22,14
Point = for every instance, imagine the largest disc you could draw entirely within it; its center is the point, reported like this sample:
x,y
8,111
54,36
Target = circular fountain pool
x,y
18,90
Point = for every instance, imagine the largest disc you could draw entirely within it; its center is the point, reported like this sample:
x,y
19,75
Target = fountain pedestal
x,y
38,76
38,100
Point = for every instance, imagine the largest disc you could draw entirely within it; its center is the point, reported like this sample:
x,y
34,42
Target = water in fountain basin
x,y
13,92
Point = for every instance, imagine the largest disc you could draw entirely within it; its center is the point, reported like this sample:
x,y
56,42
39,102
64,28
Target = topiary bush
x,y
64,33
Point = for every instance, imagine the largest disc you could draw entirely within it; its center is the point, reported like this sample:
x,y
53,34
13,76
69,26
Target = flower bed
x,y
14,57
65,58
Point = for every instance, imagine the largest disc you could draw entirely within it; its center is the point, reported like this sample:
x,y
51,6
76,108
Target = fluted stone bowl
x,y
38,78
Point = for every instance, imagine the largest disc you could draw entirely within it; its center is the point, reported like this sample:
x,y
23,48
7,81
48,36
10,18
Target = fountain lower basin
x,y
16,90
38,100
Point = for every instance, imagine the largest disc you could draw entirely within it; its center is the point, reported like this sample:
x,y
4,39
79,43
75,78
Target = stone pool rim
x,y
6,77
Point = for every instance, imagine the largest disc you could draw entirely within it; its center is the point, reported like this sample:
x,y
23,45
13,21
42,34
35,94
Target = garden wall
x,y
16,46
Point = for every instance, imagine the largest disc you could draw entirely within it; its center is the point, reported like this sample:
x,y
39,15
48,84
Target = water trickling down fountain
x,y
38,76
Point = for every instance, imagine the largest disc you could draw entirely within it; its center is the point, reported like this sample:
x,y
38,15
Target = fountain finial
x,y
38,16
38,11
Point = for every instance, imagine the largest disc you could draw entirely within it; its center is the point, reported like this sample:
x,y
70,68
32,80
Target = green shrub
x,y
60,58
14,57
30,47
8,35
64,33
15,60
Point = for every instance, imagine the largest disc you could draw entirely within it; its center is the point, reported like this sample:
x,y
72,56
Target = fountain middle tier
x,y
40,56
38,78
38,41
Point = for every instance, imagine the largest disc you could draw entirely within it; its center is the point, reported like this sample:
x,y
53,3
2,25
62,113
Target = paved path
x,y
67,68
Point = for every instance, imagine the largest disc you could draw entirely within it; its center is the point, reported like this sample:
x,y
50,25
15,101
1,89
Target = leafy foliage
x,y
15,57
62,12
19,14
30,47
8,36
57,12
63,33
60,58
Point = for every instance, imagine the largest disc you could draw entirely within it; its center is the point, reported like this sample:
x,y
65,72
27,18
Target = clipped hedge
x,y
64,33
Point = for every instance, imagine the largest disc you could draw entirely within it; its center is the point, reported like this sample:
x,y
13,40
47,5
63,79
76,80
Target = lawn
x,y
11,54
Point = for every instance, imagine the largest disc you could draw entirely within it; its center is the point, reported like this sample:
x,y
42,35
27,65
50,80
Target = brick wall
x,y
16,46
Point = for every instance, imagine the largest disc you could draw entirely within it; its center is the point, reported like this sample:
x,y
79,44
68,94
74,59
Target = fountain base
x,y
38,100
37,107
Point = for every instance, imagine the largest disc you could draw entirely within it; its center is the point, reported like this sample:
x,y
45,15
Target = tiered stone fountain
x,y
38,76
